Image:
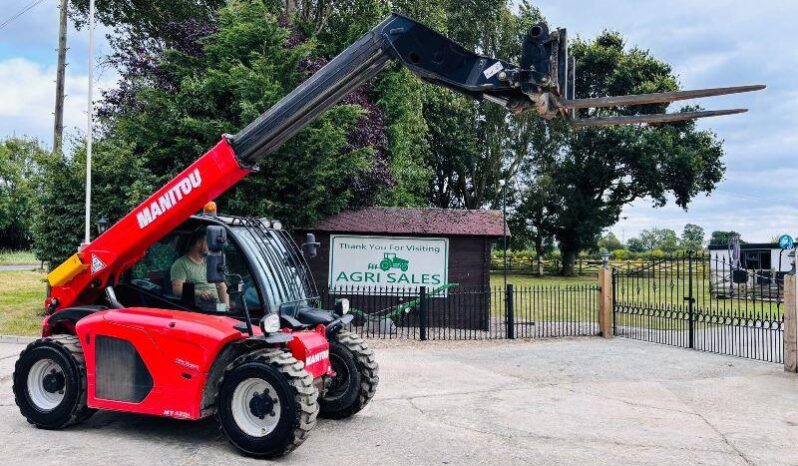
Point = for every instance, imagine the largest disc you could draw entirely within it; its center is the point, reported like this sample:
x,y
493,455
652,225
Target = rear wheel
x,y
50,382
356,377
267,403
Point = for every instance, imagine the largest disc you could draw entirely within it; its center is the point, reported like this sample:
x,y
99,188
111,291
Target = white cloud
x,y
27,98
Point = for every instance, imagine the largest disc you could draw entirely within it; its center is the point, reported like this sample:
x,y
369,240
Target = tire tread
x,y
369,373
305,393
71,344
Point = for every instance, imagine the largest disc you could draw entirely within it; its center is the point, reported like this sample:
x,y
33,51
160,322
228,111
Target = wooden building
x,y
377,249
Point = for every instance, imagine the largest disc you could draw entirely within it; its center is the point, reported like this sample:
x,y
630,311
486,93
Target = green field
x,y
17,257
549,298
497,279
21,302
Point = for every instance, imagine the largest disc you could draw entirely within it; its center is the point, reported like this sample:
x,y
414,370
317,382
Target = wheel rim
x,y
339,383
46,385
256,407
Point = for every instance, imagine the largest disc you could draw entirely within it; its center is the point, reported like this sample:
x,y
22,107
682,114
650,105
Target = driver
x,y
191,268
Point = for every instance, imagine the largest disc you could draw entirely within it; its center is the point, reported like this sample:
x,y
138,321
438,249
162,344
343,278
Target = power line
x,y
21,12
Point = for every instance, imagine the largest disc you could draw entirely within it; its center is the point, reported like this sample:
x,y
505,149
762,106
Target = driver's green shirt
x,y
188,271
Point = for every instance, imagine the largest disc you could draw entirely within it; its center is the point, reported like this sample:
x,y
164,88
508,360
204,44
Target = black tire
x,y
357,377
65,352
294,389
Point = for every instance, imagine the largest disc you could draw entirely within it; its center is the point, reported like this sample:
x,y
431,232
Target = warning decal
x,y
495,68
96,264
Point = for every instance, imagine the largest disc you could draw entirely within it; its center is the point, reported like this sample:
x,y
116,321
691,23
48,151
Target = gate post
x,y
790,324
422,313
690,299
509,298
605,300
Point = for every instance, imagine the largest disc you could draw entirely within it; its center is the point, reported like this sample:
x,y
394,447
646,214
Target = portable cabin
x,y
759,273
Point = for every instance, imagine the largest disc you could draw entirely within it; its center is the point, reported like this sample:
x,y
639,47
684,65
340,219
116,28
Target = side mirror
x,y
215,264
217,238
310,248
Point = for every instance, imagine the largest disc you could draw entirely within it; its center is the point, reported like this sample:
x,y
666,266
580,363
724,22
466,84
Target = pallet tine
x,y
658,118
661,97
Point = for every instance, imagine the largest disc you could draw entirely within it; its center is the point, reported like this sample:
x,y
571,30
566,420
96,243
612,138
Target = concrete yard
x,y
558,401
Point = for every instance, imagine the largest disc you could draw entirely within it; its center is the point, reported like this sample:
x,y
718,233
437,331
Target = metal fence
x,y
698,302
463,313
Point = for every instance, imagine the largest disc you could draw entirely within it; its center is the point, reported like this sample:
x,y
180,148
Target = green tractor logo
x,y
391,261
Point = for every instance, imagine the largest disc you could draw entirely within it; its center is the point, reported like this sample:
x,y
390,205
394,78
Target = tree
x,y
145,18
649,239
211,84
636,245
692,237
597,171
667,240
722,238
610,242
659,238
119,183
19,159
531,220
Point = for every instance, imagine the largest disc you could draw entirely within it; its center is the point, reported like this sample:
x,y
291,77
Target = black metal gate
x,y
700,302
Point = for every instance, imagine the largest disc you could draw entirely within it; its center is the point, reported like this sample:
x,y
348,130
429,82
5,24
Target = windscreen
x,y
283,272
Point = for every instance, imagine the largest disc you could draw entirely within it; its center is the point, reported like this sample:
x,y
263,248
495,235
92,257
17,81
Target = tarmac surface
x,y
558,401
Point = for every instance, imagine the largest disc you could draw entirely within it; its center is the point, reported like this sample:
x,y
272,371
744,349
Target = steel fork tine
x,y
659,118
662,97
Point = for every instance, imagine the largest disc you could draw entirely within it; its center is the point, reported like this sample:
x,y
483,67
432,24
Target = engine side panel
x,y
152,361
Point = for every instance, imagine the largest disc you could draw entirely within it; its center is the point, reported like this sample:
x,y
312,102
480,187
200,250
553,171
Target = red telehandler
x,y
132,326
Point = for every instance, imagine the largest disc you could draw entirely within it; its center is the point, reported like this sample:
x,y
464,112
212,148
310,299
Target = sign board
x,y
381,263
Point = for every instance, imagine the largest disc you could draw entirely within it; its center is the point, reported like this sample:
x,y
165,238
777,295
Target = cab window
x,y
149,281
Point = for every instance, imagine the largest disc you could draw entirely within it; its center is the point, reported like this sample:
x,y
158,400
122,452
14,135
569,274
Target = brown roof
x,y
405,221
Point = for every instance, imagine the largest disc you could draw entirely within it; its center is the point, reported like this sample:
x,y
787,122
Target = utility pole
x,y
58,129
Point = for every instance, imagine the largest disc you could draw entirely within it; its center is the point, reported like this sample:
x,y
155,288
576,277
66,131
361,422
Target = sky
x,y
709,44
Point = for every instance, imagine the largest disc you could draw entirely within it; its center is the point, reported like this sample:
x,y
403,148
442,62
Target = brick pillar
x,y
790,325
605,302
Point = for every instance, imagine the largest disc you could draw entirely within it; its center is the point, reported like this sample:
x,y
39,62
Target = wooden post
x,y
790,325
58,125
605,302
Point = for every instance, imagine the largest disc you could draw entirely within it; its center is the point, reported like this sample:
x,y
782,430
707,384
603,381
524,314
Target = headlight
x,y
277,225
342,306
270,323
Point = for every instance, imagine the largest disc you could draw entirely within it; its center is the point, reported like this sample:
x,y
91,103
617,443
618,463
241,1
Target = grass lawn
x,y
17,257
21,302
547,299
497,279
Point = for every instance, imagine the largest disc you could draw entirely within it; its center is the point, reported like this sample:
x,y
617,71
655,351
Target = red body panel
x,y
314,349
178,349
127,240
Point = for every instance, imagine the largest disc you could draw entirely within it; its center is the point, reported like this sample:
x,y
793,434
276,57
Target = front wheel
x,y
356,377
50,382
267,403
